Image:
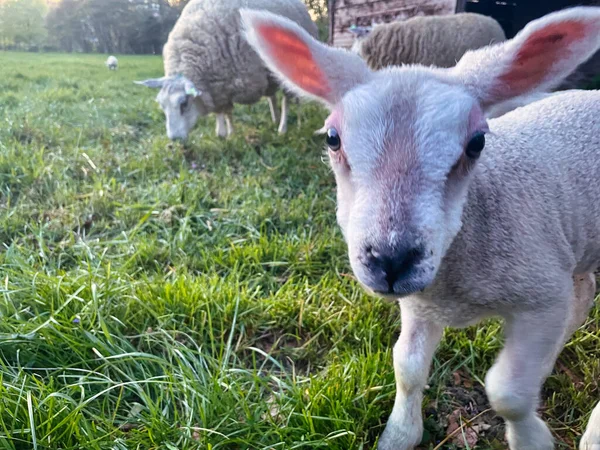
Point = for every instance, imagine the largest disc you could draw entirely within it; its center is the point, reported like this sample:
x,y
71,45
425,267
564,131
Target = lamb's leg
x,y
273,107
221,127
533,341
591,438
412,357
284,114
229,122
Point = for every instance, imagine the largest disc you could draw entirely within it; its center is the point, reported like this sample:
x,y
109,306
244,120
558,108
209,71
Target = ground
x,y
161,296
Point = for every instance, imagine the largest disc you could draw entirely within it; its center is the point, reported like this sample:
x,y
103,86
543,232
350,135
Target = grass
x,y
156,296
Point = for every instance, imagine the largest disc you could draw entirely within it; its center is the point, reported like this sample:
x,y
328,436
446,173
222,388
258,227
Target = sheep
x,y
112,63
209,66
429,40
457,234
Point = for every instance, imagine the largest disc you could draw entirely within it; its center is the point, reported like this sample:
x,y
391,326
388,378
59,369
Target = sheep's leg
x,y
273,107
221,127
591,438
513,385
229,123
284,114
413,354
298,112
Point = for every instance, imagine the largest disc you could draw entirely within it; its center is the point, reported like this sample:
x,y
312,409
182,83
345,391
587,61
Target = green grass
x,y
156,296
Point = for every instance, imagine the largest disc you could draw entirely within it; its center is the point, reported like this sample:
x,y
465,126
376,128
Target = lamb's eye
x,y
475,146
333,140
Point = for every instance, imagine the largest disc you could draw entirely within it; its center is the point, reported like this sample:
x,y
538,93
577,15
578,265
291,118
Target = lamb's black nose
x,y
394,263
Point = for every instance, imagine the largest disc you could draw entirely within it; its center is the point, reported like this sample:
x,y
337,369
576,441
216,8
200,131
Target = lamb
x,y
429,40
457,233
112,63
209,66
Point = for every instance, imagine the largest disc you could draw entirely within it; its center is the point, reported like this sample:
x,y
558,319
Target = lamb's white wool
x,y
209,66
112,63
511,230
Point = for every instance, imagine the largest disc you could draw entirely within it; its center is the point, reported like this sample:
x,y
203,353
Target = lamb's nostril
x,y
395,264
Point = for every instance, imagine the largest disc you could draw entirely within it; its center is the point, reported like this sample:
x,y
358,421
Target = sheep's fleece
x,y
429,40
207,47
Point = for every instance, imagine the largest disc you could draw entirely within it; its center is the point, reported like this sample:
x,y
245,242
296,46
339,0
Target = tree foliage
x,y
22,23
106,26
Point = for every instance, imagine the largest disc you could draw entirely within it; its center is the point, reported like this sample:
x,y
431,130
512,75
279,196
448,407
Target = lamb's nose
x,y
394,263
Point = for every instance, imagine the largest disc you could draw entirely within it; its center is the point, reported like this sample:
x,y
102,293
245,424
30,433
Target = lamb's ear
x,y
545,52
306,66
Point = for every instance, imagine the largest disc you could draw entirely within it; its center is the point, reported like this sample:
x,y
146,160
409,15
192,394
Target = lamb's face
x,y
181,110
404,141
402,172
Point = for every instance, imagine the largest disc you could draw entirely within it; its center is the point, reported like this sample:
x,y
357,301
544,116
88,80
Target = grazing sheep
x,y
456,233
429,40
112,63
209,66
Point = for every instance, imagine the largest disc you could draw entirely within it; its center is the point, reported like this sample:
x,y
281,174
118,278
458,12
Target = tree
x,y
107,26
22,23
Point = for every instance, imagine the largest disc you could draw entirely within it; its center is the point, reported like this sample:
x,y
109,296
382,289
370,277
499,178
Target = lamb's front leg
x,y
513,384
412,358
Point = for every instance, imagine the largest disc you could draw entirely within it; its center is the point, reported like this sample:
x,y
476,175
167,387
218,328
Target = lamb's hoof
x,y
282,130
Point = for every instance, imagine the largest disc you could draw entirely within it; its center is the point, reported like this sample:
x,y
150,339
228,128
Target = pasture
x,y
156,295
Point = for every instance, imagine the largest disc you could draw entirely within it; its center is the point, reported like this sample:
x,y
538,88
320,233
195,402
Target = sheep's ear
x,y
190,89
155,83
545,52
306,66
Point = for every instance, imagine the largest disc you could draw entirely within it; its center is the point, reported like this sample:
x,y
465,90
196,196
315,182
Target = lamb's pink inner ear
x,y
294,59
542,50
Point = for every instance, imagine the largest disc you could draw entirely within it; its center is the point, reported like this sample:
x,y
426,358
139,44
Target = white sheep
x,y
429,40
209,66
112,63
456,233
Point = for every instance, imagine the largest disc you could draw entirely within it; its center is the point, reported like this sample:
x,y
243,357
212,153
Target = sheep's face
x,y
406,145
181,111
181,102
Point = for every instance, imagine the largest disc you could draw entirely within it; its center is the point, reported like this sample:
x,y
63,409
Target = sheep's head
x,y
181,102
405,142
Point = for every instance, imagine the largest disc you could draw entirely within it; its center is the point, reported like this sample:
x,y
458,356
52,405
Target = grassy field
x,y
160,296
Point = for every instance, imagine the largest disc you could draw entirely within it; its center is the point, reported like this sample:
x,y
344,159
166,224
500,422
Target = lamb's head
x,y
182,102
404,143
